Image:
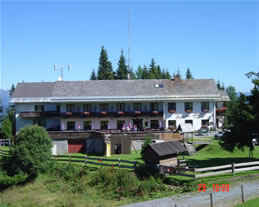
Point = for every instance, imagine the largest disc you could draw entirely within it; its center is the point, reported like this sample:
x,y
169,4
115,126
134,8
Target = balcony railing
x,y
33,114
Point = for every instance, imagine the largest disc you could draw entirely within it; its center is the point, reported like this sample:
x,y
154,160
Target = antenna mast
x,y
60,78
129,43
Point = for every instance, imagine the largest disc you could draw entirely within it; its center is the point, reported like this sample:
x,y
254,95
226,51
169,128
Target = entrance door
x,y
138,123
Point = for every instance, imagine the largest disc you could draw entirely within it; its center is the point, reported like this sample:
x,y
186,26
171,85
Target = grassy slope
x,y
251,203
214,155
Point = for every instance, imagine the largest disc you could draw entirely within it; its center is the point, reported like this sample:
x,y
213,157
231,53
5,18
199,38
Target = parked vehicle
x,y
220,134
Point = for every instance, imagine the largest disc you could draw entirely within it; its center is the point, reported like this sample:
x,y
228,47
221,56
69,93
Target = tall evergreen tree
x,y
122,70
105,71
139,72
167,74
93,76
11,90
189,74
152,69
220,85
244,118
145,74
158,72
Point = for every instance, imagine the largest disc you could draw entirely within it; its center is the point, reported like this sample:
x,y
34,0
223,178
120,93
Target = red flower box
x,y
120,112
104,112
205,110
68,113
137,112
86,113
155,112
188,111
171,111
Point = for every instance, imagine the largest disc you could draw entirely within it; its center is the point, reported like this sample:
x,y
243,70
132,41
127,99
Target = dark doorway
x,y
138,123
117,149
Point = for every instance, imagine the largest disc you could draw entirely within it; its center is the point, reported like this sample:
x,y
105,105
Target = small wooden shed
x,y
163,153
186,129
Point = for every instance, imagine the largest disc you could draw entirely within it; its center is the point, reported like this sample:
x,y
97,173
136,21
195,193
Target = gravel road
x,y
197,199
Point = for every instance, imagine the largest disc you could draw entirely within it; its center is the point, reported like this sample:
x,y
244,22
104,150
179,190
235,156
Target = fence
x,y
4,152
211,171
5,142
98,161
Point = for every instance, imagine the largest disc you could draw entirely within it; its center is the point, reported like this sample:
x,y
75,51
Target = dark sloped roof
x,y
42,89
116,88
168,148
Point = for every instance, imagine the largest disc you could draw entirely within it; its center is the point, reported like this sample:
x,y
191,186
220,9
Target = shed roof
x,y
186,127
167,148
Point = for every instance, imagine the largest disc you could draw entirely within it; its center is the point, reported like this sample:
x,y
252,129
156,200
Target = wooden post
x,y
101,162
242,193
86,160
119,163
194,170
211,200
233,168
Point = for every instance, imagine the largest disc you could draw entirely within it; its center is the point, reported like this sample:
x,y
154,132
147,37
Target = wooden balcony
x,y
44,114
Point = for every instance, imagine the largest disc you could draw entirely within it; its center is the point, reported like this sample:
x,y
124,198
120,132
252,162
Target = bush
x,y
31,152
147,141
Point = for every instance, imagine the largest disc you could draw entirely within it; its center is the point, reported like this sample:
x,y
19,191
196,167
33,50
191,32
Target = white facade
x,y
196,116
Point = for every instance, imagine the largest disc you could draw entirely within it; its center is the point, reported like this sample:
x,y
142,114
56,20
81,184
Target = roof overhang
x,y
95,99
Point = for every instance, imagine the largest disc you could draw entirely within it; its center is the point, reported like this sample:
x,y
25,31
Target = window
x,y
137,106
39,108
154,106
70,107
188,106
120,124
205,122
104,107
70,125
87,125
159,85
172,124
205,106
188,122
104,124
172,106
120,107
40,122
154,124
87,107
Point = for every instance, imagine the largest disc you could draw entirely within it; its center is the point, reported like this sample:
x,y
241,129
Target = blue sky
x,y
215,39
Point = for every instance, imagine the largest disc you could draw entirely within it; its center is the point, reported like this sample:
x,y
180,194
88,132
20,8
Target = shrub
x,y
31,151
147,141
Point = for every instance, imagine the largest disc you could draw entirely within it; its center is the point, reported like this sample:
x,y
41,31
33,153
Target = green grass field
x,y
250,203
45,192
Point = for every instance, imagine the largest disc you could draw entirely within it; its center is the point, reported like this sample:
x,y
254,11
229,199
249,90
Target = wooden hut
x,y
163,153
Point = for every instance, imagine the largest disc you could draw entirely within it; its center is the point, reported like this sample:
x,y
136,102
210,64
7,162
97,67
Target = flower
x,y
172,111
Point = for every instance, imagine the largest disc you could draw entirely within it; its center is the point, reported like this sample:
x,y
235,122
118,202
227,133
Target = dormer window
x,y
159,85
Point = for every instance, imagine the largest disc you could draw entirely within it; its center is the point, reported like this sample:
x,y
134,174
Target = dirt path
x,y
197,199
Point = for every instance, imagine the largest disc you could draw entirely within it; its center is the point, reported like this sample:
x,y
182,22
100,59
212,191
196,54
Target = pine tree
x,y
188,74
152,69
122,70
220,85
145,74
139,72
11,90
158,72
93,76
105,71
167,74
